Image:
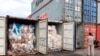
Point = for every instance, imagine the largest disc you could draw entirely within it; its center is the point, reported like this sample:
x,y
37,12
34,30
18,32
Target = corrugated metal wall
x,y
89,28
73,10
54,10
69,10
89,11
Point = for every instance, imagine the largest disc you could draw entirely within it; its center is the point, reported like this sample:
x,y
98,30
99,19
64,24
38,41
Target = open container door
x,y
42,36
2,36
69,36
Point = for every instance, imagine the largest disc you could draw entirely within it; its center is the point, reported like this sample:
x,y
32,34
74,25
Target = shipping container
x,y
64,36
73,10
98,12
98,34
89,11
21,36
67,32
57,10
89,28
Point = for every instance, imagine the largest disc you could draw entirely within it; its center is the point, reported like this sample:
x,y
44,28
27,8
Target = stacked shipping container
x,y
89,18
58,10
70,11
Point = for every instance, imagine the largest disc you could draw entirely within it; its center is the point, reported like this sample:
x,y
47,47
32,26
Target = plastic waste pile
x,y
21,38
54,39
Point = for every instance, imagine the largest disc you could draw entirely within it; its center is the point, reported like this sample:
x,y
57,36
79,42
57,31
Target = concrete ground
x,y
83,52
61,53
79,52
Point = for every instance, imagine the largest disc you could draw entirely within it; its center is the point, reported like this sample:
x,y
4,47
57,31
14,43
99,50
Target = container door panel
x,y
89,28
43,36
2,36
68,40
98,34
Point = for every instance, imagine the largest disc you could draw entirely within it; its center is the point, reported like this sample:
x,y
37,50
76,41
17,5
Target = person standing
x,y
90,41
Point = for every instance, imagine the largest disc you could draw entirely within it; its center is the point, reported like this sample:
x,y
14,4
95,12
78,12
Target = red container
x,y
88,28
98,33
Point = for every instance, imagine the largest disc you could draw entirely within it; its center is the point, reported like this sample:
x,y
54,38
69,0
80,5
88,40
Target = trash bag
x,y
96,43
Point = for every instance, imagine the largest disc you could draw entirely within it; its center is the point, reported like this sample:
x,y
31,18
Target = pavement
x,y
83,52
61,53
79,52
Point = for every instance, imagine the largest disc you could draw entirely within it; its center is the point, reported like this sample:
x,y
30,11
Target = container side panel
x,y
53,10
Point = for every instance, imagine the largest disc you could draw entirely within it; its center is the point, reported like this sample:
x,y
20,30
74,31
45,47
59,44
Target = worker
x,y
90,41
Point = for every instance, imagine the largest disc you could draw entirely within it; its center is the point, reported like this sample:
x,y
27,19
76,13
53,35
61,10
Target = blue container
x,y
60,10
89,10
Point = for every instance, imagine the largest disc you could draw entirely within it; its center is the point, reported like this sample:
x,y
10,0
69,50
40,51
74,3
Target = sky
x,y
18,8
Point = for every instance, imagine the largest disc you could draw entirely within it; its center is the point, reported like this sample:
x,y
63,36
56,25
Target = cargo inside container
x,y
14,30
55,37
66,36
